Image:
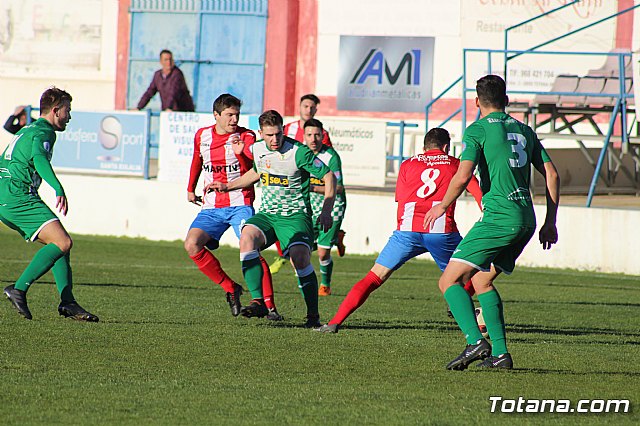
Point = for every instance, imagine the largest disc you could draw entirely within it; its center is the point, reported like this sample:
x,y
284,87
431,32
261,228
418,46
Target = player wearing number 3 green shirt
x,y
503,149
23,166
284,167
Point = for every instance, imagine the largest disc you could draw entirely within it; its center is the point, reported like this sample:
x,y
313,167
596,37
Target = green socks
x,y
252,271
463,311
308,286
43,260
62,273
326,269
494,318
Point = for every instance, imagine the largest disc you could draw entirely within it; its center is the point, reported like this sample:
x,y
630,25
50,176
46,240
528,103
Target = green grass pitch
x,y
167,350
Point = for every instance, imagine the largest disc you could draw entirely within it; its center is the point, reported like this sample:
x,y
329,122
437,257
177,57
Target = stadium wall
x,y
590,238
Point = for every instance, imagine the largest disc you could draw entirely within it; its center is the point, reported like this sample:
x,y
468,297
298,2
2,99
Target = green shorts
x,y
326,239
289,230
27,216
487,243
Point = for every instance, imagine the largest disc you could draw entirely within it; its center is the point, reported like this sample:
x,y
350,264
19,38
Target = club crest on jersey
x,y
267,164
268,179
317,163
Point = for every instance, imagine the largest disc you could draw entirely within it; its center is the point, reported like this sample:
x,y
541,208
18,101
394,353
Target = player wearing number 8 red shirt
x,y
422,183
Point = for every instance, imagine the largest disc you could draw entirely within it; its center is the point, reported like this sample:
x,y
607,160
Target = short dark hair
x,y
492,91
310,96
312,122
163,51
436,138
270,118
225,101
53,97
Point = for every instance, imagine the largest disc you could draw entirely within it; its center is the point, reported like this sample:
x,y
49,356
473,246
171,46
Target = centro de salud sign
x,y
385,74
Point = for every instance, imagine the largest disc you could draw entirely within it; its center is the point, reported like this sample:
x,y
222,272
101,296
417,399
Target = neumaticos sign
x,y
385,73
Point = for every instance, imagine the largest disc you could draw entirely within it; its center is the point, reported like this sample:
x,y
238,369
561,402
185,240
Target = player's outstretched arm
x,y
325,218
244,181
548,232
458,183
44,169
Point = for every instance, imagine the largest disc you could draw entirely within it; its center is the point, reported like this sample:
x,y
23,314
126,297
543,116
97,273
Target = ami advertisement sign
x,y
385,73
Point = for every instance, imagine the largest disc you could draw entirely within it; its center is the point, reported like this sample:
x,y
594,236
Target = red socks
x,y
469,288
356,297
280,253
267,284
210,266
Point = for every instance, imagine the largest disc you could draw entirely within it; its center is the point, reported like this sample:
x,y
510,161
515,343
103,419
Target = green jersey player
x,y
503,149
313,132
23,166
284,167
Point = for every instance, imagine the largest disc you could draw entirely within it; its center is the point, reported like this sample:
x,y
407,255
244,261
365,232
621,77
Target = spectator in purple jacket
x,y
169,81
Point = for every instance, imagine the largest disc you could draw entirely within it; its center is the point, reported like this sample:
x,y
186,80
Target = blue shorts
x,y
405,245
216,221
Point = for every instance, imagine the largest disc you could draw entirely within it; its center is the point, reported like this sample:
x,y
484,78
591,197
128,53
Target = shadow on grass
x,y
569,302
511,328
205,286
567,331
566,372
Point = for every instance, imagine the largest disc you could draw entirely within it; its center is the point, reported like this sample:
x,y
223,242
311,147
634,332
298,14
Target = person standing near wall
x,y
23,166
170,82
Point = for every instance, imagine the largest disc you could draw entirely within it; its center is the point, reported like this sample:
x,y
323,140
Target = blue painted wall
x,y
218,44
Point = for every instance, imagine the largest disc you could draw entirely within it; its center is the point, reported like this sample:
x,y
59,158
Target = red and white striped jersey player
x,y
422,182
308,108
222,153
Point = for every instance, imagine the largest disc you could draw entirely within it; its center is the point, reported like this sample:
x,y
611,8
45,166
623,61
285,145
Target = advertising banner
x,y
385,73
177,130
484,23
103,142
361,146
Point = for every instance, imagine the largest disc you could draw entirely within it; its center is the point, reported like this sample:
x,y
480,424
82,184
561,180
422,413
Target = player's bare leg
x,y
251,240
326,270
195,246
300,255
493,314
57,244
451,284
357,296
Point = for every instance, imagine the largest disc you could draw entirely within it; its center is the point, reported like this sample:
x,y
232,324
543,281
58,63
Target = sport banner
x,y
103,142
361,146
175,151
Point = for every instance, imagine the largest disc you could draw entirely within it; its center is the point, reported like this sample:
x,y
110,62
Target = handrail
x,y
434,100
401,124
